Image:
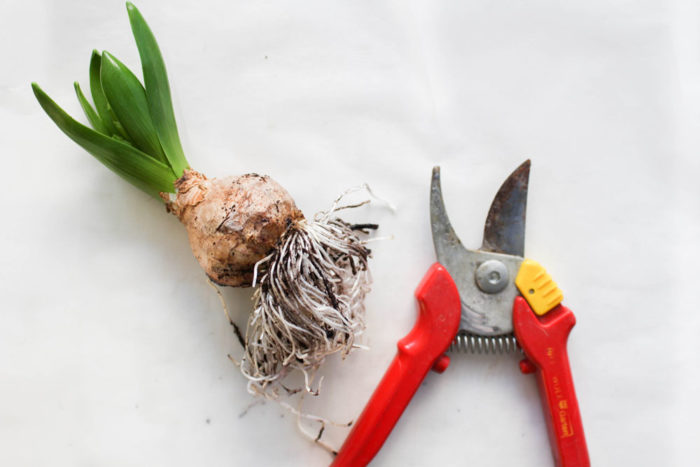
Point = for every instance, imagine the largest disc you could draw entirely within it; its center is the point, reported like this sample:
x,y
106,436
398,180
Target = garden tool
x,y
488,300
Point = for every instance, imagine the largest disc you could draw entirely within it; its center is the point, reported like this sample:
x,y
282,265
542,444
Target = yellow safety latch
x,y
538,288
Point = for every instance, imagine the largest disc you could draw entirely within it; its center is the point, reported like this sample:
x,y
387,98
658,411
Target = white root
x,y
309,303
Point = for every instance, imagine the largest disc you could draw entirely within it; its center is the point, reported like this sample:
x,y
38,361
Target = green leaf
x,y
98,95
104,109
133,165
90,113
127,98
157,90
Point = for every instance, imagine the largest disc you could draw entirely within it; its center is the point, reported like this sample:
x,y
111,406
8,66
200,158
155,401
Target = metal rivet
x,y
492,276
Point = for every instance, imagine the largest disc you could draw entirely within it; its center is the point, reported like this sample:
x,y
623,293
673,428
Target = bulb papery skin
x,y
232,222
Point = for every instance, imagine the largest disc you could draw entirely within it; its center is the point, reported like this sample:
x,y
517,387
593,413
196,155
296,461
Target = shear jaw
x,y
485,279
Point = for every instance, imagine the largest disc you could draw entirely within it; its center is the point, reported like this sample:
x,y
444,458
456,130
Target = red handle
x,y
544,342
422,349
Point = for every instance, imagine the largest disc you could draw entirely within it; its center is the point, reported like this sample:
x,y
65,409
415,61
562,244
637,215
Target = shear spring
x,y
471,343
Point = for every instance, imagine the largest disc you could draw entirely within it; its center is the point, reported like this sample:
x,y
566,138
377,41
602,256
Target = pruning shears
x,y
490,299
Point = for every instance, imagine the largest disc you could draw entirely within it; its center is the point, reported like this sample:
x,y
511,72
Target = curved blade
x,y
444,237
504,231
483,314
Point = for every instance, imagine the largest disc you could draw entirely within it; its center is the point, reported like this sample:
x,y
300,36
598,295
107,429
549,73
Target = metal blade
x,y
504,231
485,314
444,237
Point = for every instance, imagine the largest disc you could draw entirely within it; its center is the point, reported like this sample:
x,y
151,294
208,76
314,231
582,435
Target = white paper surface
x,y
112,345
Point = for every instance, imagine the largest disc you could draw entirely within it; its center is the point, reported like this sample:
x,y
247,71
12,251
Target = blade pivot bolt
x,y
492,276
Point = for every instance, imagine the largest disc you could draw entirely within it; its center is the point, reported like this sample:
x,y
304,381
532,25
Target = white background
x,y
112,345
